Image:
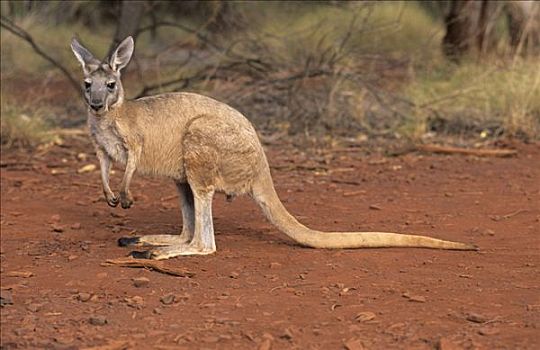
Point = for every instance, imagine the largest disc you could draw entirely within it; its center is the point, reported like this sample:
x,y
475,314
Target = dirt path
x,y
260,290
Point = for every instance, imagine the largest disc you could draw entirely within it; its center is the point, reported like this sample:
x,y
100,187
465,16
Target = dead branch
x,y
158,266
24,35
467,151
195,32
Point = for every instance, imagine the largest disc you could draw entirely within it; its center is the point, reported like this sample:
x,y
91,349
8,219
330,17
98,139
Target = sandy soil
x,y
260,290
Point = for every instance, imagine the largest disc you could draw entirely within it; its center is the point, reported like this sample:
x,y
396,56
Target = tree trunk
x,y
128,23
524,26
461,27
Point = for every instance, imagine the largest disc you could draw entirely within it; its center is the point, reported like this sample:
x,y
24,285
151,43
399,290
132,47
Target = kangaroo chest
x,y
107,136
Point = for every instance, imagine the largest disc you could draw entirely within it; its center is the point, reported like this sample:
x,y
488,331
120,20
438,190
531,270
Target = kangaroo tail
x,y
265,195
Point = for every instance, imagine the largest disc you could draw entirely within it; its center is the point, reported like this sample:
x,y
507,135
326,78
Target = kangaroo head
x,y
102,85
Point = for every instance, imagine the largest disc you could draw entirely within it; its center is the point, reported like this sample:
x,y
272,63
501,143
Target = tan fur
x,y
206,146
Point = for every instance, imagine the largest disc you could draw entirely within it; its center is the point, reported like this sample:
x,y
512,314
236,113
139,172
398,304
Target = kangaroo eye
x,y
87,85
111,85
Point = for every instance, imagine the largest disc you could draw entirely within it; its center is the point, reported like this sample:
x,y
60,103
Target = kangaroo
x,y
205,147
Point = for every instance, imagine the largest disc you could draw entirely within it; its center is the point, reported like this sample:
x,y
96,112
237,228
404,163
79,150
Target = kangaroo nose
x,y
96,106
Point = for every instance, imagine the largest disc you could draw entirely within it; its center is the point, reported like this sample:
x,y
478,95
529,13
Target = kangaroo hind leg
x,y
188,224
203,241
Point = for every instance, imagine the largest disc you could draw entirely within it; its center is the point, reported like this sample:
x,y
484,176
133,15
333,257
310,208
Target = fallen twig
x,y
467,151
158,266
507,216
168,198
346,182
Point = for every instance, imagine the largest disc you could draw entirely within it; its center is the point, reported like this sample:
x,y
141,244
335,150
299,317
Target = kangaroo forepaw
x,y
112,200
126,200
129,241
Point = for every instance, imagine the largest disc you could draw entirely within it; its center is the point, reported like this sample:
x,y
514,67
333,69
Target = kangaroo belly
x,y
162,156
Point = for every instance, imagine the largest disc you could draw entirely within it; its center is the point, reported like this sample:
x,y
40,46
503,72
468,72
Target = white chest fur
x,y
107,136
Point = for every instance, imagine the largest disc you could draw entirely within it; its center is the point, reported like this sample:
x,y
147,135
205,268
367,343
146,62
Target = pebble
x,y
6,298
167,299
84,297
287,334
415,298
476,318
57,227
140,282
354,344
98,320
76,226
487,331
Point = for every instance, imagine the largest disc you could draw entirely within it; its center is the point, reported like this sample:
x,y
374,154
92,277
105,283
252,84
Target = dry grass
x,y
22,127
490,98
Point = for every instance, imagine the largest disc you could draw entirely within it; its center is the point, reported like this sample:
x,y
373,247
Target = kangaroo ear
x,y
121,56
83,55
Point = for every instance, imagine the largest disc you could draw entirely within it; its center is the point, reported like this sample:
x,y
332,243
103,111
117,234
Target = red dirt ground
x,y
260,290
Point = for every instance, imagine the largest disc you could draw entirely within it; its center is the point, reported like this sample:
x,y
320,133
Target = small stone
x,y
476,318
55,218
140,282
489,232
76,226
84,297
157,311
5,298
72,257
167,299
354,344
98,320
375,207
287,334
57,227
487,331
234,275
414,298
